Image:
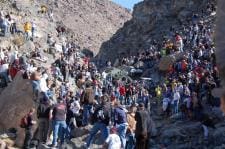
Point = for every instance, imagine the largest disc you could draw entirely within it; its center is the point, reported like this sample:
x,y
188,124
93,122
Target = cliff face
x,y
89,22
152,19
220,42
92,21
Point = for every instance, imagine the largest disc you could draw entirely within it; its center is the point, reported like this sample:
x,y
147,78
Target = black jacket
x,y
102,114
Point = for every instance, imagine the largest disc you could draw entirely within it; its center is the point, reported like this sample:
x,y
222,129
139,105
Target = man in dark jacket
x,y
87,100
102,118
43,120
120,121
142,118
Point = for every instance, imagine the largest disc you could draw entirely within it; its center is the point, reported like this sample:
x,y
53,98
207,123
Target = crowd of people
x,y
72,93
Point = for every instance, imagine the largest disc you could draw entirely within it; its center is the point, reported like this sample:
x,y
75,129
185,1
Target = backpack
x,y
41,111
24,122
100,114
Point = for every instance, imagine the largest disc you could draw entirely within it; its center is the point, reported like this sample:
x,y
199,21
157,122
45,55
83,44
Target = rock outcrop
x,y
220,42
88,22
152,20
15,102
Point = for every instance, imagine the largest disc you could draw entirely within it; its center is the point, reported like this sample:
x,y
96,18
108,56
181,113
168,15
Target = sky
x,y
127,3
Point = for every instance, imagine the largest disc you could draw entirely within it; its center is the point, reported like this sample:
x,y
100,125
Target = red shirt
x,y
122,90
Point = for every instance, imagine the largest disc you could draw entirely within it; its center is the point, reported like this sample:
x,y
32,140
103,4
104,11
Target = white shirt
x,y
180,88
43,85
31,68
176,96
76,107
113,141
2,55
4,67
104,75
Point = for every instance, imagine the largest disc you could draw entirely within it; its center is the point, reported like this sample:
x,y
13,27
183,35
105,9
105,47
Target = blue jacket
x,y
119,116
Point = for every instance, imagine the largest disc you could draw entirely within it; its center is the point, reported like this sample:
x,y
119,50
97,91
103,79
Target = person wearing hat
x,y
142,118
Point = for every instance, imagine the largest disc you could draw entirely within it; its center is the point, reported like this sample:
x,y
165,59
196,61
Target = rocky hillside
x,y
152,19
89,22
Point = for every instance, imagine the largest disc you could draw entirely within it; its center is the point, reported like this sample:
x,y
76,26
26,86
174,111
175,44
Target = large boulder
x,y
15,102
28,46
220,42
18,40
169,60
4,44
166,62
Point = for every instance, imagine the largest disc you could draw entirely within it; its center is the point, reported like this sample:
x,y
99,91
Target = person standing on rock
x,y
131,127
27,29
142,124
176,101
33,29
179,42
122,91
120,121
59,122
101,118
43,119
51,15
28,129
87,100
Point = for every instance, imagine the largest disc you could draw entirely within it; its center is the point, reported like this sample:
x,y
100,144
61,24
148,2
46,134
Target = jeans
x,y
98,126
68,132
131,141
32,31
28,138
13,28
48,94
122,129
27,36
122,99
5,28
86,114
206,131
58,125
5,79
176,106
5,76
43,125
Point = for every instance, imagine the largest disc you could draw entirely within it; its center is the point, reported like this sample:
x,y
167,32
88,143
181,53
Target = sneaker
x,y
53,145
